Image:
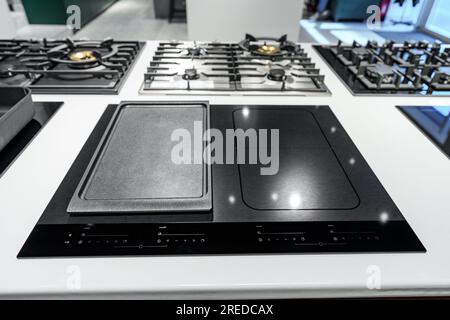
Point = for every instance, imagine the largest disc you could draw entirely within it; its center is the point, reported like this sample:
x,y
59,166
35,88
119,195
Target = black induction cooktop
x,y
433,121
323,198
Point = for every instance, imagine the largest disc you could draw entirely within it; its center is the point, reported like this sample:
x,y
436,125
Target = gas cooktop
x,y
323,197
253,66
68,66
411,68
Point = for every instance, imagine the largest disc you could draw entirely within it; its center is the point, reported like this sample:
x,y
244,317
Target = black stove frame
x,y
240,229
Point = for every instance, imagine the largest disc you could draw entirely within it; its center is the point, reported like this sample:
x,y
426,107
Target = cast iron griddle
x,y
132,169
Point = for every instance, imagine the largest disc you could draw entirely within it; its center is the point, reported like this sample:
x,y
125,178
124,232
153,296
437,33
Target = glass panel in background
x,y
439,19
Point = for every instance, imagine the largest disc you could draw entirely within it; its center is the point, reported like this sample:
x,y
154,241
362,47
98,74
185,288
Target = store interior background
x,y
323,21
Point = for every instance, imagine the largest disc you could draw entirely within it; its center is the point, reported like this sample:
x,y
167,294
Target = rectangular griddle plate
x,y
132,169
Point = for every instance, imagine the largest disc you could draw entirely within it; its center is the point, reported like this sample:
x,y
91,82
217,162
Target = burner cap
x,y
360,51
196,51
277,75
383,71
271,47
191,74
444,75
85,56
269,50
5,71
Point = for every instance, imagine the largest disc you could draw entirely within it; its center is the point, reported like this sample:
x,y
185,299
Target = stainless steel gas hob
x,y
254,66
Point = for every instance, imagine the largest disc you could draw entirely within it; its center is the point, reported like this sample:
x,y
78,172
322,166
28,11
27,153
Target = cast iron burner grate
x,y
410,68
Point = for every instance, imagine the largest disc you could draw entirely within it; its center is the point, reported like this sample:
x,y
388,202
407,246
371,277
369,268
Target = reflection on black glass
x,y
434,122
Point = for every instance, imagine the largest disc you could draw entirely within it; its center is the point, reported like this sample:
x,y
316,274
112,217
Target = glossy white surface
x,y
415,173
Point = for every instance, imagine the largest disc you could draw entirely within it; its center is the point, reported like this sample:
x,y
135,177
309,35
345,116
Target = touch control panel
x,y
217,238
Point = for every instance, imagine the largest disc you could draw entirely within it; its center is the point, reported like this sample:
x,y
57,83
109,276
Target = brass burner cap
x,y
268,49
87,56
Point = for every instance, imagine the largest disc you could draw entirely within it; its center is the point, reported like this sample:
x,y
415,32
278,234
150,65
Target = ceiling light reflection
x,y
295,200
245,112
274,196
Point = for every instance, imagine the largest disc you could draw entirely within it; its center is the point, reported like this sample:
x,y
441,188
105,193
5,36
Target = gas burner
x,y
444,79
195,51
5,71
277,75
381,71
268,50
191,74
391,68
86,55
83,54
442,76
49,66
270,47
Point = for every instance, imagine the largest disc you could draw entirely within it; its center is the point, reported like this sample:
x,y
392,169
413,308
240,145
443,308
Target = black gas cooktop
x,y
417,68
324,197
433,121
67,66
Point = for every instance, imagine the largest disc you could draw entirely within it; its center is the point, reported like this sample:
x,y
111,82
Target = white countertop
x,y
414,172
